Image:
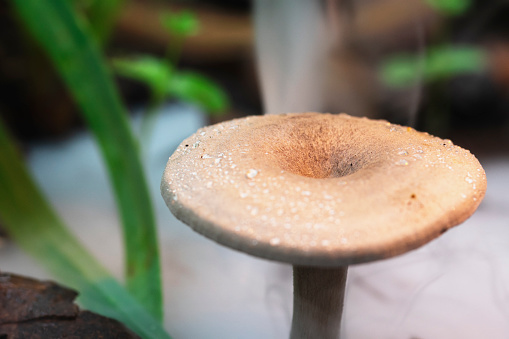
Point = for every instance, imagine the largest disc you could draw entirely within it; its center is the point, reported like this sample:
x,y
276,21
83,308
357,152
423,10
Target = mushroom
x,y
320,192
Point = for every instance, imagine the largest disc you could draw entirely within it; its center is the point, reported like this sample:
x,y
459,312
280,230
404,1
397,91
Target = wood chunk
x,y
23,299
43,309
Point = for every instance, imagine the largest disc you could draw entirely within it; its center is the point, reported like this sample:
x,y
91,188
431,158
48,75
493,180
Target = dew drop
x,y
307,193
403,153
251,173
469,180
275,241
206,156
402,162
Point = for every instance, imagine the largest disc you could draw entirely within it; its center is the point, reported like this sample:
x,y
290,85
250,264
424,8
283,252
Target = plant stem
x,y
318,295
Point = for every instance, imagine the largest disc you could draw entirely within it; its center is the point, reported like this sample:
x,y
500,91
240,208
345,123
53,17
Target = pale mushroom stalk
x,y
318,295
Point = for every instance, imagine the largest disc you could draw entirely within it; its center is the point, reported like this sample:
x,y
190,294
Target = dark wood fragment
x,y
43,309
23,299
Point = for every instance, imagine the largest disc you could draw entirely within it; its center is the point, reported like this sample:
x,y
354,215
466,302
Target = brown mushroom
x,y
320,192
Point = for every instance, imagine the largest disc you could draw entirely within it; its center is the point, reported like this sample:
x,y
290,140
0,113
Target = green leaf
x,y
197,89
101,17
35,227
75,56
439,63
153,72
450,7
447,61
182,24
401,70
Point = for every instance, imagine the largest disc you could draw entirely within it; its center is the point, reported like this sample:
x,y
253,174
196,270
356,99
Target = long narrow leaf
x,y
102,14
77,58
32,223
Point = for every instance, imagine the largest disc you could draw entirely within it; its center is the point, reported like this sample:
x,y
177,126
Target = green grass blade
x,y
101,16
32,223
78,60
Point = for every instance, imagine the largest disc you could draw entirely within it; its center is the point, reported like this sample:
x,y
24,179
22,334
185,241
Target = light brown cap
x,y
320,189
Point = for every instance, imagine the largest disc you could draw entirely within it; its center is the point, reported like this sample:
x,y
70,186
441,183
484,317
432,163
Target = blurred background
x,y
439,66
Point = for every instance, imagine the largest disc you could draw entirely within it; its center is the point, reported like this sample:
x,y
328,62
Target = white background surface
x,y
455,287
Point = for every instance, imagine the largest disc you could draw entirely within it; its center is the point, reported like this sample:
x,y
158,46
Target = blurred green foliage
x,y
73,40
450,7
441,61
101,15
165,80
437,64
181,24
73,34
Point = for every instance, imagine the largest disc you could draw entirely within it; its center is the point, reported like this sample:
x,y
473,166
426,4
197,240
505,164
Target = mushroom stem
x,y
318,295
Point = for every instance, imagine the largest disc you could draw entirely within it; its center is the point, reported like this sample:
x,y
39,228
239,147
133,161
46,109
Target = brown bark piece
x,y
85,325
42,309
23,299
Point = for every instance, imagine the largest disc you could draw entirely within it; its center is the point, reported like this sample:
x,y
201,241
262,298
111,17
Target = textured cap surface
x,y
320,189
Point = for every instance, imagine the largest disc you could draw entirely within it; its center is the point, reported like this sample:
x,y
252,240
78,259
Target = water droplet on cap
x,y
402,162
251,173
275,241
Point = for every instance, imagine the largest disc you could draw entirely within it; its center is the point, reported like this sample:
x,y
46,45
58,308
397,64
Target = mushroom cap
x,y
320,189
